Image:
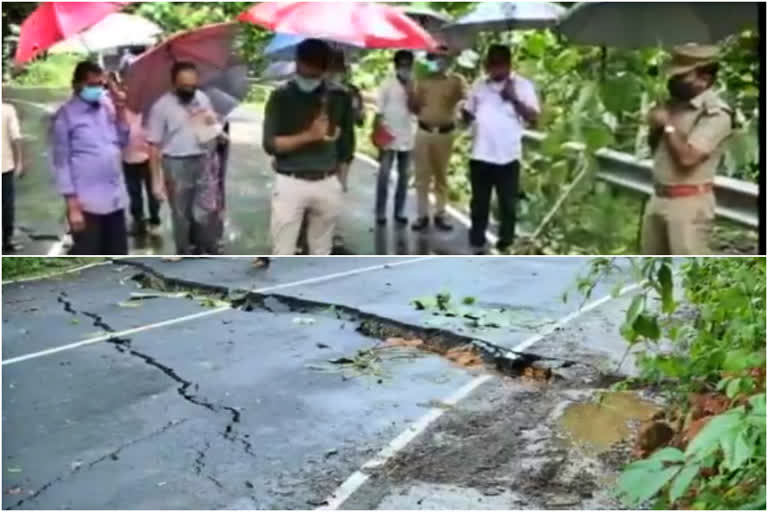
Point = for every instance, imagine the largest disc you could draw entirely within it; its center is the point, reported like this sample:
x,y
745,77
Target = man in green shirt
x,y
309,130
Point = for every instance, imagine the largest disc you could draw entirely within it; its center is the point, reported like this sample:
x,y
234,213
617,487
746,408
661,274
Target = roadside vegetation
x,y
594,96
19,268
698,334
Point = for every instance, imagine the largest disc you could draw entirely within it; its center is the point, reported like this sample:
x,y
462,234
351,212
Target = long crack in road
x,y
505,443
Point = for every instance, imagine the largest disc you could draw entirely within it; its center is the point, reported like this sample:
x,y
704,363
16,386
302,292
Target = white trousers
x,y
292,198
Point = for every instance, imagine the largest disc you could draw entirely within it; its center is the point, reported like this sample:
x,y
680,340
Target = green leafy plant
x,y
731,445
15,268
698,326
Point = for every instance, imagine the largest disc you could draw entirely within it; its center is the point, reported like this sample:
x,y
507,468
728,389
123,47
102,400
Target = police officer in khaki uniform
x,y
687,136
436,104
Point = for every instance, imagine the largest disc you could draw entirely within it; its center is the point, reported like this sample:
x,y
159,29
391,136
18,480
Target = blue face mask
x,y
92,93
308,84
436,66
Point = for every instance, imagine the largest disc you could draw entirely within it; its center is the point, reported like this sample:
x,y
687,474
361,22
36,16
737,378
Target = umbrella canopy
x,y
435,22
280,70
116,30
361,24
633,25
283,47
209,48
227,89
427,18
55,21
499,16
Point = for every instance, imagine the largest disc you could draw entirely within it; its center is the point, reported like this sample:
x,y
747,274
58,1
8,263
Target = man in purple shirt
x,y
89,132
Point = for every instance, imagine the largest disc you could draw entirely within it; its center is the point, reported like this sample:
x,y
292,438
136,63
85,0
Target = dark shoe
x,y
503,248
421,224
139,228
403,221
11,247
381,222
442,224
479,250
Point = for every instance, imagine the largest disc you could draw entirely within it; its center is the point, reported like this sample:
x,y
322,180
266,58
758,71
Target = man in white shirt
x,y
395,119
12,167
498,110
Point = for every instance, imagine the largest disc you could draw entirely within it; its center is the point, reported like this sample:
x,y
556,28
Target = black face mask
x,y
680,89
186,95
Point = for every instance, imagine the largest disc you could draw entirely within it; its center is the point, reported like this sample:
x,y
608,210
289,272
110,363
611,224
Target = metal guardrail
x,y
737,200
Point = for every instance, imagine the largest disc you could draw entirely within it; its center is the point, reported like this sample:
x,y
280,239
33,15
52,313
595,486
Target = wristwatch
x,y
670,129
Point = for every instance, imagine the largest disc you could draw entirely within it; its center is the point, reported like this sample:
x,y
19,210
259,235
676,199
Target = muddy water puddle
x,y
610,418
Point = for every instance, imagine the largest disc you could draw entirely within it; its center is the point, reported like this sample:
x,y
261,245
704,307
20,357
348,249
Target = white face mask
x,y
404,74
308,84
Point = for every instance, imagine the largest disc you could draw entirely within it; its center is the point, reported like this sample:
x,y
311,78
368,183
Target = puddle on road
x,y
597,426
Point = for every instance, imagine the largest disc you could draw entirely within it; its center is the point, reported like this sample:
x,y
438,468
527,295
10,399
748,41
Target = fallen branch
x,y
561,200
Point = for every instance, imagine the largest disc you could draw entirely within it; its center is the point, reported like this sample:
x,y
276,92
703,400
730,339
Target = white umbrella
x,y
116,30
500,16
633,25
280,70
427,18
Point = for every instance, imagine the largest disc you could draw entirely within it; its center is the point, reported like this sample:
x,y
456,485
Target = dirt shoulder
x,y
522,443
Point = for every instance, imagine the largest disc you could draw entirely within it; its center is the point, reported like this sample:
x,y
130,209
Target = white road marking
x,y
203,314
460,216
358,478
42,106
109,336
569,318
54,274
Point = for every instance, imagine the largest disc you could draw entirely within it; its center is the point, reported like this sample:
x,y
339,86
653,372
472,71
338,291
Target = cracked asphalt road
x,y
238,409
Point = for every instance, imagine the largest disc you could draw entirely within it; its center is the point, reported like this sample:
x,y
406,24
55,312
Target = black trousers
x,y
104,235
484,178
9,206
137,180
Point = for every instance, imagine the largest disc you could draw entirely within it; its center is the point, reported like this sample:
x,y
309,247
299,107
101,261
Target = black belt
x,y
184,157
441,129
308,176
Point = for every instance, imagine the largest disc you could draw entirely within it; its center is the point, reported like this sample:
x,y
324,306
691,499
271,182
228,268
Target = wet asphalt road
x,y
233,409
40,211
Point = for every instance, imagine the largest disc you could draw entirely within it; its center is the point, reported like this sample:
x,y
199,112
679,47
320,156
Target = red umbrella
x,y
210,48
55,21
370,25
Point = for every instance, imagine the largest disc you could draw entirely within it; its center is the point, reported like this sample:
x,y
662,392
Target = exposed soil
x,y
514,442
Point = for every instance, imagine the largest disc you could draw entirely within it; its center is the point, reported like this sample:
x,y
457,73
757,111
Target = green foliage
x,y
54,71
179,16
733,443
720,347
15,268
